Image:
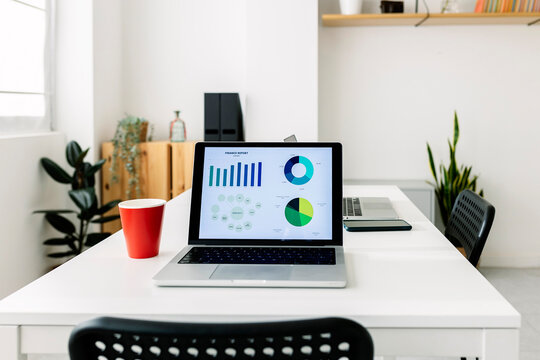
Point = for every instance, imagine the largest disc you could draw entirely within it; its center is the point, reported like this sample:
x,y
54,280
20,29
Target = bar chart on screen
x,y
239,175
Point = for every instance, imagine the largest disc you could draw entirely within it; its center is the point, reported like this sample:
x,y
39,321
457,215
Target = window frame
x,y
24,125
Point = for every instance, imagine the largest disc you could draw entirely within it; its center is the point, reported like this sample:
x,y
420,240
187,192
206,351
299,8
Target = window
x,y
25,66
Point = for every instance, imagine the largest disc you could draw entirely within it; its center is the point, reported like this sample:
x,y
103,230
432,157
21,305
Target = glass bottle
x,y
177,129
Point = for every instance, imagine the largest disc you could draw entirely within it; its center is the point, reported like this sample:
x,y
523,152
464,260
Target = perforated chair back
x,y
112,338
470,223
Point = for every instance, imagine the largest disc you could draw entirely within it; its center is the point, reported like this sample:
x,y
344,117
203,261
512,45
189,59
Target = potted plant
x,y
452,179
83,195
130,132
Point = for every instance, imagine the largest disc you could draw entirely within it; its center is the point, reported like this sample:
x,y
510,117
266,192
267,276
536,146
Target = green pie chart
x,y
298,212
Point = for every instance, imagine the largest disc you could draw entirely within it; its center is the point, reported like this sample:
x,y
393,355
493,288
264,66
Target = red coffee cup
x,y
141,223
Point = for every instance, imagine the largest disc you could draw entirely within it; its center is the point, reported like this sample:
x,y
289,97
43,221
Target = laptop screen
x,y
266,193
249,192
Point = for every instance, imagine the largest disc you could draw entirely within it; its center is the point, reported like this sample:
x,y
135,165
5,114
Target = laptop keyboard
x,y
351,206
260,255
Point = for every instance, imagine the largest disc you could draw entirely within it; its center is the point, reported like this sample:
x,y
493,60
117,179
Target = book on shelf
x,y
507,6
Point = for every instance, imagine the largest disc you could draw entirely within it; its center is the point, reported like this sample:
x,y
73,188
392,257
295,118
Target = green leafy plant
x,y
452,179
130,132
83,194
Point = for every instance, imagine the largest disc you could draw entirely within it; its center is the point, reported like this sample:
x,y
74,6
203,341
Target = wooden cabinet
x,y
182,167
165,171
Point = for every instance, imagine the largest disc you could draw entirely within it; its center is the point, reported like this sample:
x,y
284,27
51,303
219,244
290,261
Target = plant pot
x,y
144,131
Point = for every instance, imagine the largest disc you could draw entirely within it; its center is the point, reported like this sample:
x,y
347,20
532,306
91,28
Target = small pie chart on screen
x,y
298,212
298,170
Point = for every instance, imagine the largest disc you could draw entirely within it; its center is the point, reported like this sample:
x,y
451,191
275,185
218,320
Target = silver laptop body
x,y
368,208
269,199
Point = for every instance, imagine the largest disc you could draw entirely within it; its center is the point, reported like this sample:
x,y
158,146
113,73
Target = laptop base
x,y
252,275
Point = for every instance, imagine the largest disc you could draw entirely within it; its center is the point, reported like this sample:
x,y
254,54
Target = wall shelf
x,y
433,19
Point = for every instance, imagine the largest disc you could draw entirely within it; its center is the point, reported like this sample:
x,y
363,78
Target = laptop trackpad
x,y
252,272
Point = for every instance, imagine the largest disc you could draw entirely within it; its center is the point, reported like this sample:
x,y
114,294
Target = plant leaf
x,y
94,168
105,219
108,206
62,254
90,213
465,183
81,178
83,198
59,241
80,158
456,128
89,177
95,238
73,150
431,162
60,223
452,168
472,185
52,211
55,171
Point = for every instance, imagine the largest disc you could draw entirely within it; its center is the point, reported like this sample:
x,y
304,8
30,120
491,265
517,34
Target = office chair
x,y
469,224
108,338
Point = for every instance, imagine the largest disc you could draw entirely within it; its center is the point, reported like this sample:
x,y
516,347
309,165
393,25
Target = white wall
x,y
281,70
175,51
385,91
108,104
89,71
25,188
74,107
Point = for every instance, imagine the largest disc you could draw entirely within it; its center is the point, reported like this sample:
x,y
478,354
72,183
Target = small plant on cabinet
x,y
130,132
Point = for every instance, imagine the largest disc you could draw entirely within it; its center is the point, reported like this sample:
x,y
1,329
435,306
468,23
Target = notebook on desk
x,y
263,214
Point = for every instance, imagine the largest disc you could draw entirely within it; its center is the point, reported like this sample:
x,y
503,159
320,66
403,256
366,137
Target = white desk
x,y
412,290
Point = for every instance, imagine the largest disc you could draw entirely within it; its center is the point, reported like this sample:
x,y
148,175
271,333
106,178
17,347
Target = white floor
x,y
521,287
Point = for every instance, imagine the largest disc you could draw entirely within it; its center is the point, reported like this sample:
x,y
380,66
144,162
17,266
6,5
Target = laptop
x,y
263,215
368,208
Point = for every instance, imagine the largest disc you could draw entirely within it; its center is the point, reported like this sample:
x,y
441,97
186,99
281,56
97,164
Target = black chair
x,y
108,338
469,224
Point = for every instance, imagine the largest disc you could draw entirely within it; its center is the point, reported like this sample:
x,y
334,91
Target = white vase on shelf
x,y
349,7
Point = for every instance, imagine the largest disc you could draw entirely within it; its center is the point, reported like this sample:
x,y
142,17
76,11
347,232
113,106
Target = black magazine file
x,y
223,120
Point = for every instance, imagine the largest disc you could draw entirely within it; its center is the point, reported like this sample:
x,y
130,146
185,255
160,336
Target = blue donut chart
x,y
298,160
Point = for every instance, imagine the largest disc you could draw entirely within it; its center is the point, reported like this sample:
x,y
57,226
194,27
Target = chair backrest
x,y
108,338
469,224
